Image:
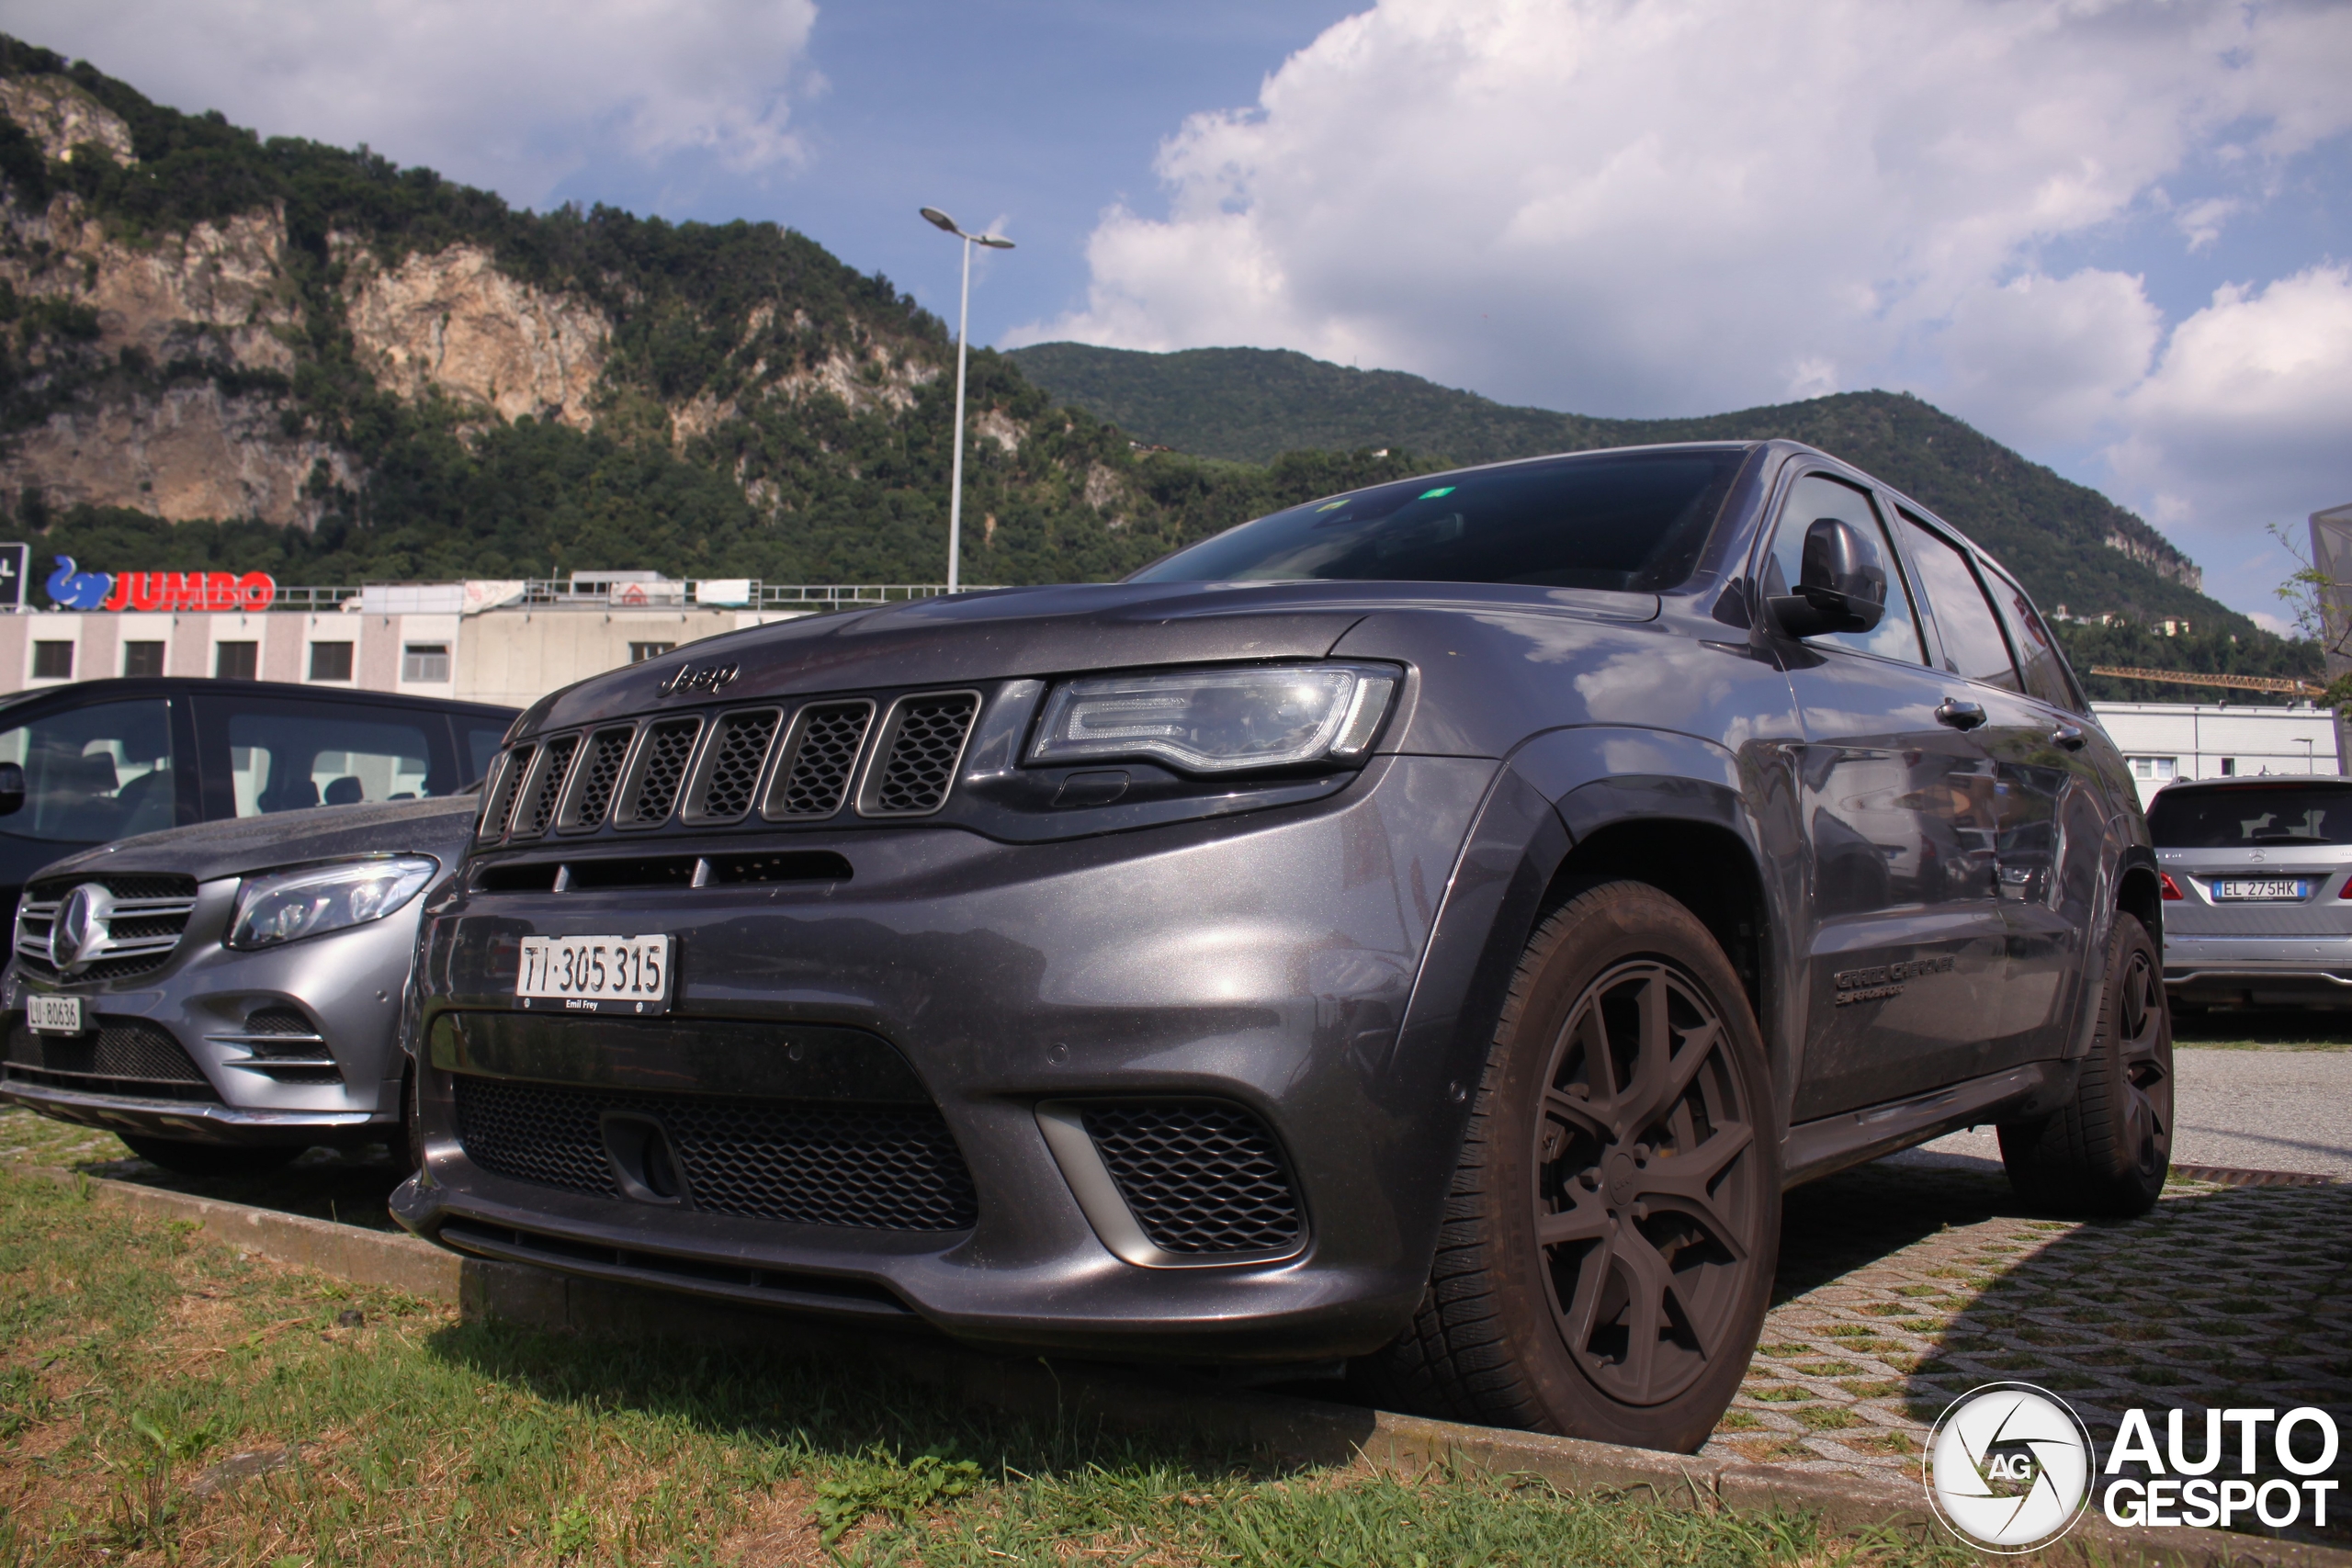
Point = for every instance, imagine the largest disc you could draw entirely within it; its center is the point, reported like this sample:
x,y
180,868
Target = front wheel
x,y
1609,1239
2106,1154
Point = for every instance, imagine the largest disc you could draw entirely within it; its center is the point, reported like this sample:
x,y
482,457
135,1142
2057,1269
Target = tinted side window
x,y
2044,666
1973,645
289,757
1816,496
93,773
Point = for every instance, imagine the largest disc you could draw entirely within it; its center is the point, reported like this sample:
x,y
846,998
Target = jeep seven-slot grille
x,y
800,1162
504,788
731,773
533,818
127,1057
600,772
926,739
1199,1178
825,744
660,768
143,929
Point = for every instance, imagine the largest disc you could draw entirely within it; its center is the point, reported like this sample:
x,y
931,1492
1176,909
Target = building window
x,y
2157,770
52,661
330,661
142,659
639,652
2229,767
236,661
425,661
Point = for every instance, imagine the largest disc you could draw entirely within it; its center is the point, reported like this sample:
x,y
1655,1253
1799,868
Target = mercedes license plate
x,y
2255,889
595,974
54,1015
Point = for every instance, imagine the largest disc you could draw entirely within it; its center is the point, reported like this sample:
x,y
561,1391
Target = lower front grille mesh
x,y
803,1162
123,1056
1200,1177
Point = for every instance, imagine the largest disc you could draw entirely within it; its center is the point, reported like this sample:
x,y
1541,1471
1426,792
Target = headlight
x,y
1218,721
292,905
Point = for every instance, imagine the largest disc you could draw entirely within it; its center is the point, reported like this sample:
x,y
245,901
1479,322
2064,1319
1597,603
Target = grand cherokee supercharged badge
x,y
1886,980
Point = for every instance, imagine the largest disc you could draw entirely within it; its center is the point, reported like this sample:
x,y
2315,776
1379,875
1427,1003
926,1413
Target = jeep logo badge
x,y
687,678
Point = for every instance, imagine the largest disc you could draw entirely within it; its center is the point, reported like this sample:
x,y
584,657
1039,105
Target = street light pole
x,y
962,316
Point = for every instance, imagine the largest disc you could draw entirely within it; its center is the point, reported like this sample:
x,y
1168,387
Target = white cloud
x,y
1636,207
512,95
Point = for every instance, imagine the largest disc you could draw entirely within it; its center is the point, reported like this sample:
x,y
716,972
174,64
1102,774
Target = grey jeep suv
x,y
1429,925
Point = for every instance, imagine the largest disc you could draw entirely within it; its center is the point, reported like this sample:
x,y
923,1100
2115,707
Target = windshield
x,y
2230,818
1624,521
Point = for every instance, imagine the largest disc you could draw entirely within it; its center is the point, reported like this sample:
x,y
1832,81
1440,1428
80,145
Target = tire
x,y
208,1160
1606,1258
2106,1154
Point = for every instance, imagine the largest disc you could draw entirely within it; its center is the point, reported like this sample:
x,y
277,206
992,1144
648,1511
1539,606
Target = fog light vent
x,y
1200,1177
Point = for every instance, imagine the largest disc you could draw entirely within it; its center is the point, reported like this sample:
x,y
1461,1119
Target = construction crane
x,y
2284,686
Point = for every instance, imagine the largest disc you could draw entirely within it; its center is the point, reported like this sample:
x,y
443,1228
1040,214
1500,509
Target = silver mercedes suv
x,y
2258,888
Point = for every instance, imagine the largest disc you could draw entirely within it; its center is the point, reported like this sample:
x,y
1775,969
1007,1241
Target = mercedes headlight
x,y
1220,720
291,905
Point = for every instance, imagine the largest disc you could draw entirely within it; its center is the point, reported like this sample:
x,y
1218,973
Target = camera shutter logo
x,y
2008,1467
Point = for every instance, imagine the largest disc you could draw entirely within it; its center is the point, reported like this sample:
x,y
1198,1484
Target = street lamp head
x,y
941,220
993,241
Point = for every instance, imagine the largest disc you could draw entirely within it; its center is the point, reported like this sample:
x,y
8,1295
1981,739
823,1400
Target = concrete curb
x,y
1298,1430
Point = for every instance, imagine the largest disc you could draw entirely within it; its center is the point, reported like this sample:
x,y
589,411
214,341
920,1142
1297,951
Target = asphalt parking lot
x,y
1905,1283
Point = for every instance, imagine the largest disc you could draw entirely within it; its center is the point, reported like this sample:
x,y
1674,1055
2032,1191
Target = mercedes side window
x,y
290,758
1816,496
1973,646
2043,665
93,773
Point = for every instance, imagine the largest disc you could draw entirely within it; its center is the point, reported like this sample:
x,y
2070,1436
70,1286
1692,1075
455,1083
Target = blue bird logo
x,y
72,590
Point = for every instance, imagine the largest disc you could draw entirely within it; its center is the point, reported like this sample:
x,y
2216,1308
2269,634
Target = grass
x,y
165,1400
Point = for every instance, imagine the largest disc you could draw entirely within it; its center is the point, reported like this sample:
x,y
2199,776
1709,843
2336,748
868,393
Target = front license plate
x,y
54,1015
2250,890
595,974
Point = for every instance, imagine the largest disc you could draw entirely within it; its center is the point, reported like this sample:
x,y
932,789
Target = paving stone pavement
x,y
1902,1286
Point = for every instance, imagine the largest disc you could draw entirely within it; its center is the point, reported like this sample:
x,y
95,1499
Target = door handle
x,y
1960,713
2070,736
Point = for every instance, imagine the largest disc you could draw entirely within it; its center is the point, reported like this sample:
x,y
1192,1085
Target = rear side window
x,y
2043,666
481,743
93,773
289,758
1973,646
1634,522
2266,814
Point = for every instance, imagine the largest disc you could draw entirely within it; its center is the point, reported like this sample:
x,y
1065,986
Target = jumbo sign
x,y
71,589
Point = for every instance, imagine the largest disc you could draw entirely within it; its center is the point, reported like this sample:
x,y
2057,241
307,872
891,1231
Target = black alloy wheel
x,y
2108,1152
1644,1208
1610,1241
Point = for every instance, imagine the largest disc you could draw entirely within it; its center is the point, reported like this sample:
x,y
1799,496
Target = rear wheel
x,y
208,1160
1609,1239
2106,1153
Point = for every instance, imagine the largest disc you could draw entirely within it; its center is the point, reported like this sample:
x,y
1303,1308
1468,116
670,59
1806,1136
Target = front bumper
x,y
1264,962
198,1006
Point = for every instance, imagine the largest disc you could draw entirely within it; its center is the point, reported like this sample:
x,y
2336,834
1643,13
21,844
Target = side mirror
x,y
1842,585
11,789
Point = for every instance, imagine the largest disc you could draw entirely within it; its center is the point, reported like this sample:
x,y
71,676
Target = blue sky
x,y
2116,234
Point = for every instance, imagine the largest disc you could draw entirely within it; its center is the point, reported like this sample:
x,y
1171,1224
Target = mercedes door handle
x,y
1960,713
2070,736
